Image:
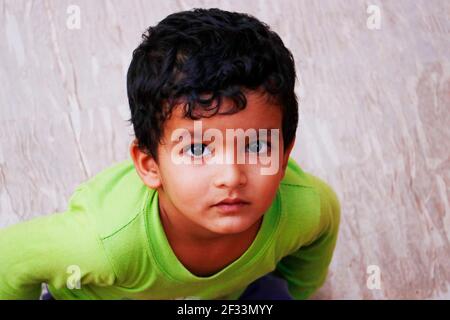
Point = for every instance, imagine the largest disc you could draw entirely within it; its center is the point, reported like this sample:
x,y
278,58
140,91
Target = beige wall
x,y
374,119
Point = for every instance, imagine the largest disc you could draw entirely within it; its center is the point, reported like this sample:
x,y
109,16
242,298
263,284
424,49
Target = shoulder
x,y
310,205
299,179
114,202
113,198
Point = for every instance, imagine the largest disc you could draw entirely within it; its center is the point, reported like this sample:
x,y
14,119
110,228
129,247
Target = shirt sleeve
x,y
306,269
60,249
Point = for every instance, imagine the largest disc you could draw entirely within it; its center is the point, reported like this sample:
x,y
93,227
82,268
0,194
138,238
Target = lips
x,y
231,205
232,201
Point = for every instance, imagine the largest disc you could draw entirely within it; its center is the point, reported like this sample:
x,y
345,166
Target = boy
x,y
178,220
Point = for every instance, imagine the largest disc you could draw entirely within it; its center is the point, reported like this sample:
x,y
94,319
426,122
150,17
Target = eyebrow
x,y
191,133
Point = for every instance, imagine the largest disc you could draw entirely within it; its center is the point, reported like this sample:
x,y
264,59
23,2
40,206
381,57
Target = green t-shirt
x,y
112,239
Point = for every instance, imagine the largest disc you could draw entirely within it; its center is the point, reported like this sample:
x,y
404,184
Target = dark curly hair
x,y
209,52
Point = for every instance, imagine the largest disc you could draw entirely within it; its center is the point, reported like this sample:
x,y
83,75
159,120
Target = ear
x,y
286,155
146,166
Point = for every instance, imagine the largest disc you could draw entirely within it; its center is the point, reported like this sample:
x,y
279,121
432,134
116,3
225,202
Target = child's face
x,y
189,192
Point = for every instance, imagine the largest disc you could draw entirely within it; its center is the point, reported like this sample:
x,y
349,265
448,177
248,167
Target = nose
x,y
230,176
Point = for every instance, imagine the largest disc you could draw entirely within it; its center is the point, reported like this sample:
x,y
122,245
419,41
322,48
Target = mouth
x,y
231,205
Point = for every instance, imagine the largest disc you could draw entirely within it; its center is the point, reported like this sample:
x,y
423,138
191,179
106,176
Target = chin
x,y
233,225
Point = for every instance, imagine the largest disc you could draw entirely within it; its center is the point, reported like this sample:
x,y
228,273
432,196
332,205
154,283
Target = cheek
x,y
185,185
264,186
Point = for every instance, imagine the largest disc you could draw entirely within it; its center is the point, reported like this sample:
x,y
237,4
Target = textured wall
x,y
374,119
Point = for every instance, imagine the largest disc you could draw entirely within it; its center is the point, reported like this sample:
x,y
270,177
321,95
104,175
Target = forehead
x,y
259,113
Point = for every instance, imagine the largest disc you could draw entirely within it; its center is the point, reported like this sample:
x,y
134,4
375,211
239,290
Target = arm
x,y
25,262
43,249
306,269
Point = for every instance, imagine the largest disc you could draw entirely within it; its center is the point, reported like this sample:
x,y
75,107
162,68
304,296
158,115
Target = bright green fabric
x,y
112,232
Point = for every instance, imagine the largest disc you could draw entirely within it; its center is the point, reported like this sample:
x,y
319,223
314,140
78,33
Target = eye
x,y
197,150
258,146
